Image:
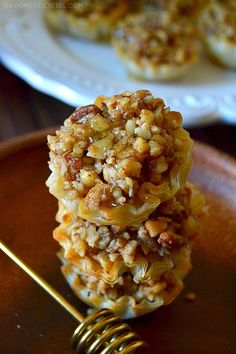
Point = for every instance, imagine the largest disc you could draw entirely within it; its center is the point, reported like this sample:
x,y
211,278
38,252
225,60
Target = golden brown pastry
x,y
131,270
187,9
90,19
153,47
127,216
115,161
218,28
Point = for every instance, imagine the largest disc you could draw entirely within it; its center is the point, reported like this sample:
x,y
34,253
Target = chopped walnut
x,y
97,195
84,111
156,227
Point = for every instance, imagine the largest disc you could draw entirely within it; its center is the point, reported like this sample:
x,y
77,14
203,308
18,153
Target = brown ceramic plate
x,y
32,323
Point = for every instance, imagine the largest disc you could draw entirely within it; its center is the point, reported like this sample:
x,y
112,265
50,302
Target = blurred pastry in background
x,y
187,9
90,19
155,47
218,28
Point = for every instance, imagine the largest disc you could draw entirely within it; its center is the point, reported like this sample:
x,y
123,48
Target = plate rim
x,y
20,142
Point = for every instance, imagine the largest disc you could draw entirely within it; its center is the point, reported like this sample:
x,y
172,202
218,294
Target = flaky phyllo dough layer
x,y
127,216
115,161
142,267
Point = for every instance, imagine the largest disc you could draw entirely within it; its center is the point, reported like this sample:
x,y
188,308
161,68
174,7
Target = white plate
x,y
76,71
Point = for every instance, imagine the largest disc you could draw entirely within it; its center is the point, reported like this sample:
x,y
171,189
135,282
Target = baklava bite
x,y
131,270
113,162
155,47
218,28
89,19
127,215
186,9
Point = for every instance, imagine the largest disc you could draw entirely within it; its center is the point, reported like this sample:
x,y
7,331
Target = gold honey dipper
x,y
100,333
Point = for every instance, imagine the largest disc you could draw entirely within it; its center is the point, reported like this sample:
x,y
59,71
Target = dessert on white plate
x,y
155,47
188,9
90,19
218,27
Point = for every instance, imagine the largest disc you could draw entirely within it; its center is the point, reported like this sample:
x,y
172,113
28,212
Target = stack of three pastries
x,y
127,215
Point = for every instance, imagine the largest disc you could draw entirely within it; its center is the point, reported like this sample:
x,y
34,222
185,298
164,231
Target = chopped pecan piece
x,y
84,111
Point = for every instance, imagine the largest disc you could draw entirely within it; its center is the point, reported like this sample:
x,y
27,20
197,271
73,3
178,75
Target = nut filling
x,y
152,46
115,161
187,9
217,25
218,19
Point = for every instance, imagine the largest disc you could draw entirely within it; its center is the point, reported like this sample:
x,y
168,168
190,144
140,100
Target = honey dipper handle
x,y
48,288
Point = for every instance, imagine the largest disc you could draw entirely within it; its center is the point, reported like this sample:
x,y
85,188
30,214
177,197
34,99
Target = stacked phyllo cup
x,y
127,215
